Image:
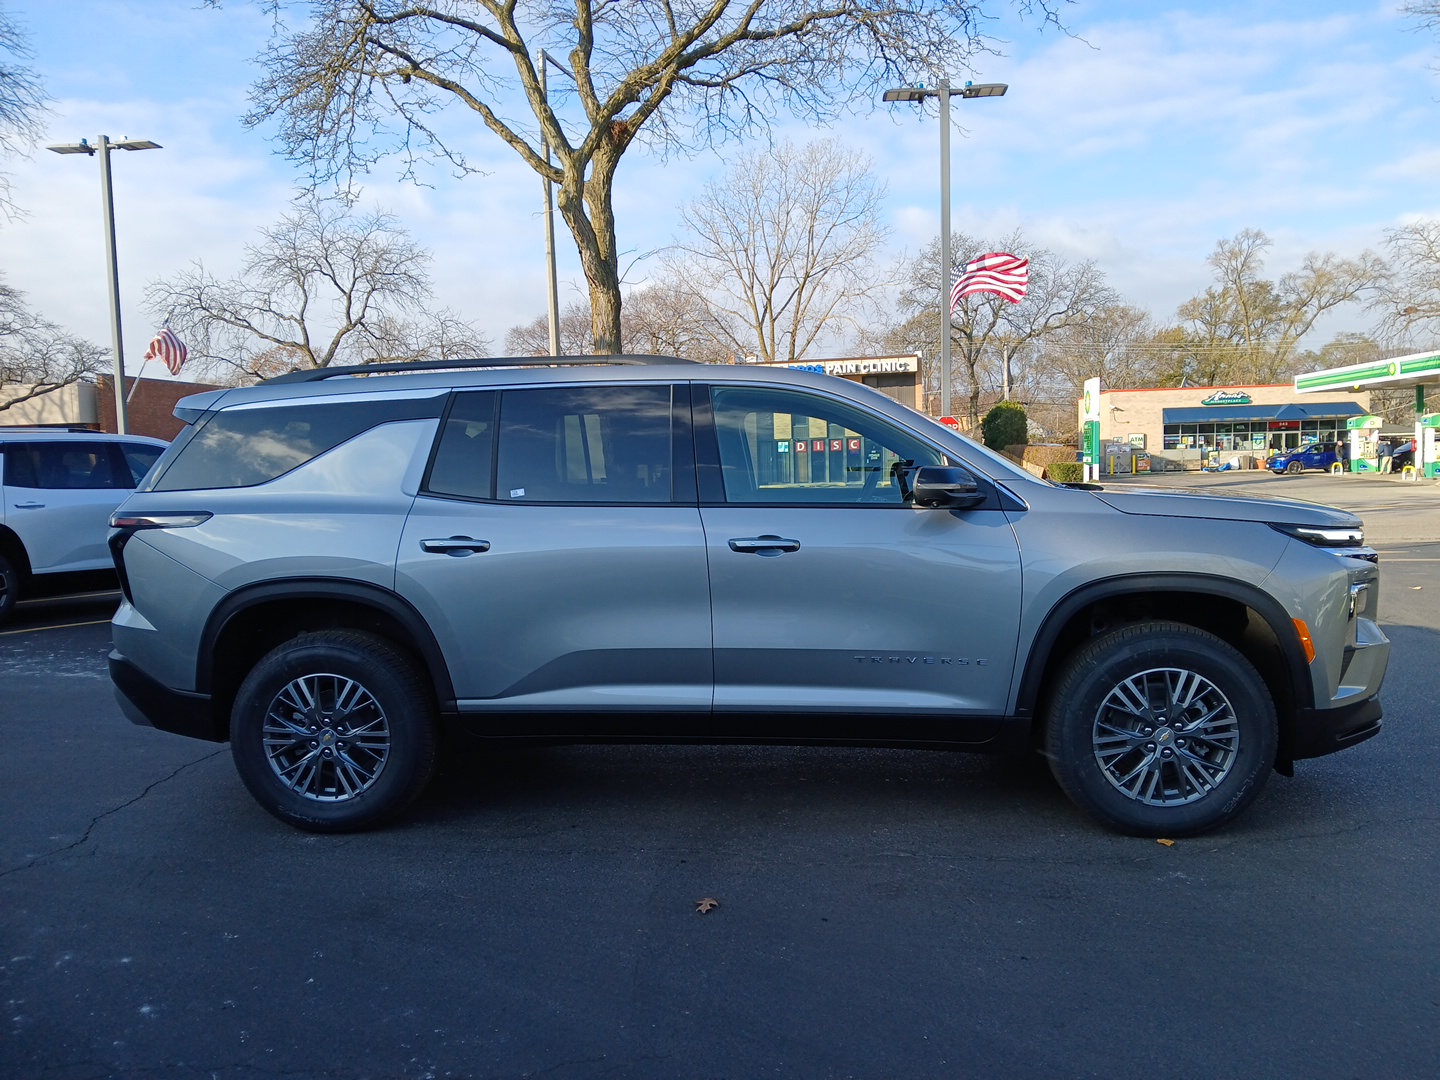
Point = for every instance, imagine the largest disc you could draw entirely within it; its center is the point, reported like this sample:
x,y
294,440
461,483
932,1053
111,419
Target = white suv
x,y
59,487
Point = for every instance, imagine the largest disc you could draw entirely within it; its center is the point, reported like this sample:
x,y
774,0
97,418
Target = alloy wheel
x,y
1165,737
326,737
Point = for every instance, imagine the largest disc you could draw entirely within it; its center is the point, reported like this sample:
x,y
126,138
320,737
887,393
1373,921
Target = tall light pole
x,y
552,286
112,265
945,93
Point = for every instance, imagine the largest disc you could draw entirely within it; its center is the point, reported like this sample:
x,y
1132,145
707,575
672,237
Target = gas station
x,y
1416,371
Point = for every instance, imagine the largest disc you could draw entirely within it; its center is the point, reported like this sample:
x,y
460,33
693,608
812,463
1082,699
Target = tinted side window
x,y
786,446
606,444
463,460
19,466
242,447
60,466
139,458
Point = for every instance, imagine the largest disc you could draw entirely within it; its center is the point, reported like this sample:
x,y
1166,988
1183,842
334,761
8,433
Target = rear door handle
x,y
459,546
767,545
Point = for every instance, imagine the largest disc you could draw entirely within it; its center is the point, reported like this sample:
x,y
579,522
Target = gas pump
x,y
1364,434
1090,430
1425,460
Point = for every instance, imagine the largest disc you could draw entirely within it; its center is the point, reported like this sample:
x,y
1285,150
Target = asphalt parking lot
x,y
881,913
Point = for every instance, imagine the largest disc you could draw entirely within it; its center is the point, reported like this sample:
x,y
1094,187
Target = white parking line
x,y
62,626
67,597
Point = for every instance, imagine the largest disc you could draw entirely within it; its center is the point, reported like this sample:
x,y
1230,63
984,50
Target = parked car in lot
x,y
334,569
1315,455
59,488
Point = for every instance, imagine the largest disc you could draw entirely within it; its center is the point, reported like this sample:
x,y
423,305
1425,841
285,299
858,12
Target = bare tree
x,y
533,338
326,284
22,102
1409,301
365,78
36,356
668,318
1246,328
782,249
664,318
1117,343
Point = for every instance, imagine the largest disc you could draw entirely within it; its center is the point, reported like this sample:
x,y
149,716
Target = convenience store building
x,y
1185,423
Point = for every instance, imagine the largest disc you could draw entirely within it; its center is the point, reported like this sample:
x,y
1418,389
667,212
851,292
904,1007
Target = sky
x,y
1139,139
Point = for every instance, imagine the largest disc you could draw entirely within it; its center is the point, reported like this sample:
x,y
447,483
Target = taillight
x,y
132,522
127,525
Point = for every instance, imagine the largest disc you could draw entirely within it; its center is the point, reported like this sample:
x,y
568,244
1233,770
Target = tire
x,y
1111,717
1295,467
334,731
9,588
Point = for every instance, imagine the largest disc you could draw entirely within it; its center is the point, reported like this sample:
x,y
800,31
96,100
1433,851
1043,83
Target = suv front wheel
x,y
333,731
1161,729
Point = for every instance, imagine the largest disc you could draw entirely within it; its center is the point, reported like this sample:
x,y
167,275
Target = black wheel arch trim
x,y
1083,596
13,548
361,592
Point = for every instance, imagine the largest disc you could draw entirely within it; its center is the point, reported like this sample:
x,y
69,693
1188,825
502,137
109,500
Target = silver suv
x,y
334,569
58,488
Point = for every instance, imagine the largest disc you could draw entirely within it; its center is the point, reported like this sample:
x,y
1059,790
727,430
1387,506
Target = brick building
x,y
1190,422
92,404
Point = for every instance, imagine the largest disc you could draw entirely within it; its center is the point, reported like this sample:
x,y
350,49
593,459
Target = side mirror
x,y
947,487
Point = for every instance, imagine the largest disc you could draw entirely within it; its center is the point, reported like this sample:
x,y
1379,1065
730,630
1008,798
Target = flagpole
x,y
945,370
135,385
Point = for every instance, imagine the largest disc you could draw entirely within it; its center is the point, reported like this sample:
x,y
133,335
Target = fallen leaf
x,y
1167,843
704,907
1416,588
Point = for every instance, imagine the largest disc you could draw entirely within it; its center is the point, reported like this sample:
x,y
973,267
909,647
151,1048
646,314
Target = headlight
x,y
1346,540
1325,535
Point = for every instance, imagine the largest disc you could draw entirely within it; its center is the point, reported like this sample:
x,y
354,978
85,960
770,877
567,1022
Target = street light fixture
x,y
945,92
107,203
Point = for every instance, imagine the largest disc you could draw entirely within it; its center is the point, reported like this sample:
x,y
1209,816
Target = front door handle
x,y
458,546
29,506
766,545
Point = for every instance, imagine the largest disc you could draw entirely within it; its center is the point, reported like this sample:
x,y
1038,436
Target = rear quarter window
x,y
249,445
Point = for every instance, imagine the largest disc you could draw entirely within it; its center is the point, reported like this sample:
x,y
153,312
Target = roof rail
x,y
319,374
77,429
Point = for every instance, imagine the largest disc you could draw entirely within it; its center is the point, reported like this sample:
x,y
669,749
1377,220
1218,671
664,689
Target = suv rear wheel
x,y
1161,729
9,588
333,731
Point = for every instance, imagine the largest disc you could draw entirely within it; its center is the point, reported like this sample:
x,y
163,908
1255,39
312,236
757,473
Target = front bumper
x,y
1317,732
151,704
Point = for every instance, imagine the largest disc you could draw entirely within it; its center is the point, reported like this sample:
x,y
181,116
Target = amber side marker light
x,y
1305,639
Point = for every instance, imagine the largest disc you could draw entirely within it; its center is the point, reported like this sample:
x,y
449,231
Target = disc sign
x,y
950,422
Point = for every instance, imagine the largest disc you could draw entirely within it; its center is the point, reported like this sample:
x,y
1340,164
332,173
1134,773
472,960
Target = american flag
x,y
1000,273
168,347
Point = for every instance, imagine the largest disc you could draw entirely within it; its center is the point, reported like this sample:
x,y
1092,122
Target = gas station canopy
x,y
1418,369
1414,372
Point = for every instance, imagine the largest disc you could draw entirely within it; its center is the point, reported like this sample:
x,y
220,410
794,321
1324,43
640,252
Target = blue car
x,y
1316,455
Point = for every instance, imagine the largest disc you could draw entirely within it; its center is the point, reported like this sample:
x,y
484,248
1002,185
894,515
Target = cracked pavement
x,y
883,913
